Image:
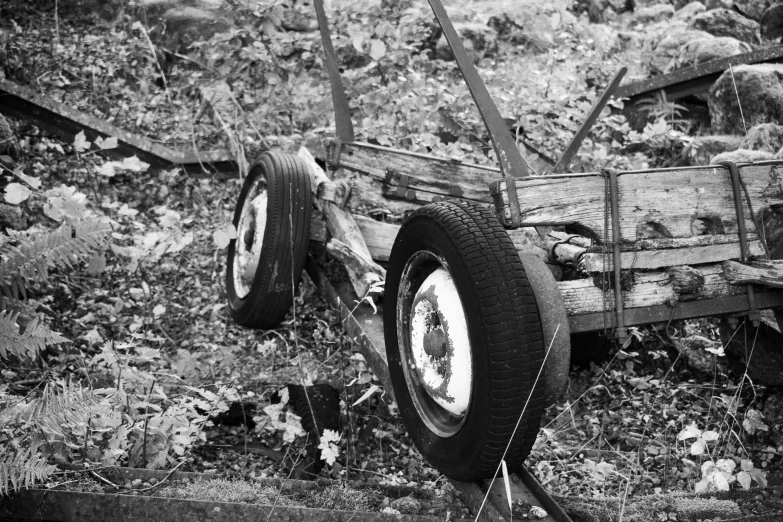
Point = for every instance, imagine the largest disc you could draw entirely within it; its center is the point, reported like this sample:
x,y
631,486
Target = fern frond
x,y
28,344
55,409
22,469
29,262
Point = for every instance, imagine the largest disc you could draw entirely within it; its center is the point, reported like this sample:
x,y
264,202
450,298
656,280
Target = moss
x,y
226,490
346,498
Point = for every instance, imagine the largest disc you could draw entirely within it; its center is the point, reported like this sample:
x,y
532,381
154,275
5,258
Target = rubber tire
x,y
554,321
505,333
285,242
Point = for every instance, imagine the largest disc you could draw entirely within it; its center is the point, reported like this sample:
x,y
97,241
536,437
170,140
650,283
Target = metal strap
x,y
620,331
736,187
342,112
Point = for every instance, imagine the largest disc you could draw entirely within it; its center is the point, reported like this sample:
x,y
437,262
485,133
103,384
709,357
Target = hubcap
x,y
435,348
250,237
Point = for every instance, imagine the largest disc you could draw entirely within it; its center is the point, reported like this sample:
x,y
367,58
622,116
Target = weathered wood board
x,y
649,289
399,181
678,203
760,272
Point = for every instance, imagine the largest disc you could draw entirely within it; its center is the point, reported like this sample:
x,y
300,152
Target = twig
x,y
164,479
146,422
109,482
155,57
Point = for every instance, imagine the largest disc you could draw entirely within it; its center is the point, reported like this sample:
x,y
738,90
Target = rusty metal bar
x,y
512,164
593,322
696,79
620,331
598,106
61,120
736,187
342,111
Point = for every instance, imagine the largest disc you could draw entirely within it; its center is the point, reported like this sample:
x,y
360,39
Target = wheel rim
x,y
250,237
434,344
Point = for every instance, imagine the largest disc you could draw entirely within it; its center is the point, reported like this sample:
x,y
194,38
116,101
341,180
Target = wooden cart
x,y
478,306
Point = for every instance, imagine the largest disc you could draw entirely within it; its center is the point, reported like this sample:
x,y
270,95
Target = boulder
x,y
724,22
654,34
765,136
759,88
668,49
479,41
743,156
704,148
689,11
772,22
186,25
773,415
753,9
718,4
707,49
654,13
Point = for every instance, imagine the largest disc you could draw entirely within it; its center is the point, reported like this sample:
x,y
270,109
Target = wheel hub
x,y
440,348
250,237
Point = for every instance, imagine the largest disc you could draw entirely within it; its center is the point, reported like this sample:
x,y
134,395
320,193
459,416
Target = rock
x,y
667,51
654,34
765,136
693,351
718,4
293,20
773,415
759,88
689,11
704,148
753,9
479,41
743,156
655,13
723,22
707,49
772,22
406,505
766,358
186,25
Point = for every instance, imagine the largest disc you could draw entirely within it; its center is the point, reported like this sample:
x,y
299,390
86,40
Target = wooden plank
x,y
433,175
649,259
682,203
378,236
62,120
649,289
699,78
760,272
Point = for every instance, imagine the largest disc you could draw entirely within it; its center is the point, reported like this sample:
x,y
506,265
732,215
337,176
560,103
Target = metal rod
x,y
736,187
595,111
342,111
512,164
614,194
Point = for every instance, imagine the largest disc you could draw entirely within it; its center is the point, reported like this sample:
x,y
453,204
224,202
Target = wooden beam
x,y
680,203
378,236
760,272
649,259
652,288
62,120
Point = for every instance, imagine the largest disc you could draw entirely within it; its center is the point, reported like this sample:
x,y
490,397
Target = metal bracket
x,y
736,186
